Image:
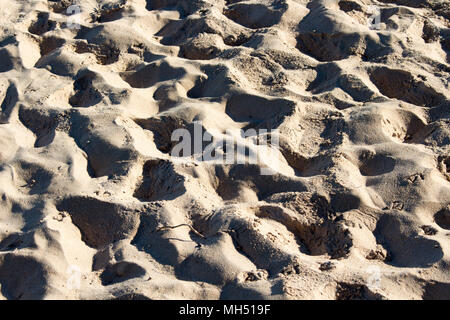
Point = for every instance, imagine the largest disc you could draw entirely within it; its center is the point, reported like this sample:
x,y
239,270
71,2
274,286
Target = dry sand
x,y
359,208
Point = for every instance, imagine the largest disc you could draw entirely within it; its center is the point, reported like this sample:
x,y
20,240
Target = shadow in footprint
x,y
6,63
160,4
402,85
9,102
256,15
86,95
109,11
375,165
121,271
159,182
442,218
23,277
101,223
243,107
42,123
406,247
147,76
354,291
436,291
42,24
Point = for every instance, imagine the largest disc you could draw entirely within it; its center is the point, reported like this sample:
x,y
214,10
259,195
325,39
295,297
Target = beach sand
x,y
93,204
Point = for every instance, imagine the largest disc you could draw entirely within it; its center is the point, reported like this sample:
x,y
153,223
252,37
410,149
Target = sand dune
x,y
93,204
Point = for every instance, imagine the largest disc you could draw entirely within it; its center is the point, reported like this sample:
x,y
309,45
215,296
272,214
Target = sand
x,y
94,206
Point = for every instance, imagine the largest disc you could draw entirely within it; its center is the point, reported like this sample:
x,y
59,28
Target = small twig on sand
x,y
182,225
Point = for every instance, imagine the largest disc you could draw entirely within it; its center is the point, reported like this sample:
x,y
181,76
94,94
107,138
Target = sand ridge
x,y
93,206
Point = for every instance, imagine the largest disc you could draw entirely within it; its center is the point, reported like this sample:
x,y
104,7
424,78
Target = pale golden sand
x,y
89,195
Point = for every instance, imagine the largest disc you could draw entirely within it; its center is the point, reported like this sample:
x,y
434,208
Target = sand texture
x,y
93,205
